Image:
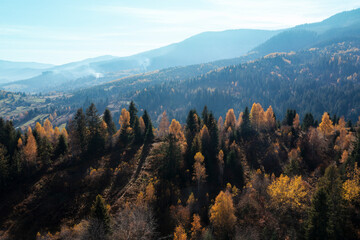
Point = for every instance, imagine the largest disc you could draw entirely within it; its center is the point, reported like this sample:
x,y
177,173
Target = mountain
x,y
342,26
12,71
201,48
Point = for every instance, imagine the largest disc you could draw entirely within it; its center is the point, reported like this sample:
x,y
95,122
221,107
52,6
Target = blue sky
x,y
69,30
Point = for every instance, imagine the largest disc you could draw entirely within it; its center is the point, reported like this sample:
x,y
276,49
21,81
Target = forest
x,y
244,175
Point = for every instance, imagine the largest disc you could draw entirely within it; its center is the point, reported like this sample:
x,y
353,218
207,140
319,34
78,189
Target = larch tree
x,y
180,233
196,228
220,160
257,116
296,121
222,215
270,121
142,125
164,125
30,149
176,131
49,131
199,174
326,126
230,119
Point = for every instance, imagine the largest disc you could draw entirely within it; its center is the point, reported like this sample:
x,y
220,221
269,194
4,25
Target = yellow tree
x,y
49,131
30,149
124,120
270,121
240,120
326,125
40,130
257,116
196,228
288,192
56,135
199,174
296,121
164,125
230,119
220,158
341,124
65,134
222,215
176,131
351,187
180,233
142,125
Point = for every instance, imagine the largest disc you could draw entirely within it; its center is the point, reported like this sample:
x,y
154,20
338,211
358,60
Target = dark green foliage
x,y
146,119
4,167
133,114
62,146
246,129
96,140
289,117
355,154
308,121
149,135
100,212
138,136
318,217
109,122
78,130
44,150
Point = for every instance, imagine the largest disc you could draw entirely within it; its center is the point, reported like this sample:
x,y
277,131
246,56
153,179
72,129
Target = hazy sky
x,y
61,31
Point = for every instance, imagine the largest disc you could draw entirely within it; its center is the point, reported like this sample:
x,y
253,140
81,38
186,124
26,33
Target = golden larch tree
x,y
222,215
239,120
164,125
230,119
40,130
199,174
124,119
296,121
257,116
30,149
49,131
180,233
176,130
326,125
270,121
196,228
142,125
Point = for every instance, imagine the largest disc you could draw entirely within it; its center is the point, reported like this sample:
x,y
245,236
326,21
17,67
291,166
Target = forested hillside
x,y
246,177
325,78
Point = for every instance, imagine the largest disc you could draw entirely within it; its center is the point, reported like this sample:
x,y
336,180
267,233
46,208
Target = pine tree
x,y
109,122
289,117
4,167
318,217
308,121
79,133
99,212
133,114
62,146
149,136
245,128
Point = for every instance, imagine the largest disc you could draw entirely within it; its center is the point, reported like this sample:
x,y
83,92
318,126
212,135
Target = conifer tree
x,y
133,114
326,125
149,136
164,125
4,167
222,215
99,212
199,174
30,149
62,146
109,122
245,128
308,121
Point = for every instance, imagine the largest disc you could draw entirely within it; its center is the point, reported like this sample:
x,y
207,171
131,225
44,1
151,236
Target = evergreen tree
x,y
79,130
146,120
246,129
318,217
100,213
109,122
308,121
4,167
62,146
149,136
289,117
133,114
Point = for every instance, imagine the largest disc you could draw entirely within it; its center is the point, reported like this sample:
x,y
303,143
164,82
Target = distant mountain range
x,y
202,48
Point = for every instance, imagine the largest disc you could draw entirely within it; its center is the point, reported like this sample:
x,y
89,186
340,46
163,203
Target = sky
x,y
63,31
